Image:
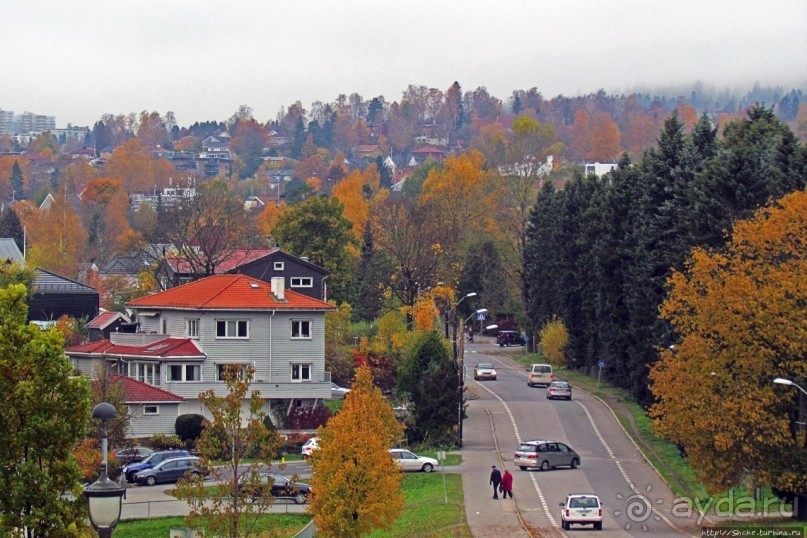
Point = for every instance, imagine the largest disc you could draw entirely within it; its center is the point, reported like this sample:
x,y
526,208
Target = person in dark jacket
x,y
495,479
507,484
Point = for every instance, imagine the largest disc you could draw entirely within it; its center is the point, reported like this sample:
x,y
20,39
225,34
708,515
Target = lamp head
x,y
472,294
104,411
782,381
482,311
491,327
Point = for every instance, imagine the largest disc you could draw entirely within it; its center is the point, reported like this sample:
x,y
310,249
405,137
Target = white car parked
x,y
581,508
309,447
337,392
407,461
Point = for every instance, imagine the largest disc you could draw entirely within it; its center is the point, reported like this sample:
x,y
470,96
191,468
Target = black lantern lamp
x,y
104,497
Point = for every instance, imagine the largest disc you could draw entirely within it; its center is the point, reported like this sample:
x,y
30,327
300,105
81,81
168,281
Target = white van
x,y
540,374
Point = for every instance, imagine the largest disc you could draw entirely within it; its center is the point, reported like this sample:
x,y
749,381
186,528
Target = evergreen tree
x,y
384,171
430,377
10,226
759,159
372,275
17,181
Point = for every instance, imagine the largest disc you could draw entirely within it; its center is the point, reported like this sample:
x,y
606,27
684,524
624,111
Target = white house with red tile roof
x,y
151,409
190,333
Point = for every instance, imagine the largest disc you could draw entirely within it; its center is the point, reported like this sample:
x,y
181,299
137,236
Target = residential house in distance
x,y
191,333
600,169
10,252
420,156
299,274
106,323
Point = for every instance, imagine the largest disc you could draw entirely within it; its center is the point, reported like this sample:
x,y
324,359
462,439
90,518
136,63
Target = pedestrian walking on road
x,y
495,479
507,484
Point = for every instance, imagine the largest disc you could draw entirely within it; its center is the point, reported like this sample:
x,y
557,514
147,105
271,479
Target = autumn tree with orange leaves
x,y
357,483
740,316
56,238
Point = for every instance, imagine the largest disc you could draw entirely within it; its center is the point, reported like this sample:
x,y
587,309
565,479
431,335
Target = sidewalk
x,y
485,516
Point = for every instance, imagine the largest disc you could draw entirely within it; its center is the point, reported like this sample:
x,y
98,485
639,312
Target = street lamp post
x,y
458,362
104,497
800,500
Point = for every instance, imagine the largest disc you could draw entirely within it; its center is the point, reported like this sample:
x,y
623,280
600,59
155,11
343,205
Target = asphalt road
x,y
503,412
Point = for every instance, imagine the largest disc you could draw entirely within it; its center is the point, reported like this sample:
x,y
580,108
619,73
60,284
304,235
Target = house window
x,y
279,266
300,329
151,409
300,372
192,328
232,328
163,326
220,369
145,372
184,372
302,282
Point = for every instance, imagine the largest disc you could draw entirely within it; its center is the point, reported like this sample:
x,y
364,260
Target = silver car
x,y
407,461
484,370
559,389
545,455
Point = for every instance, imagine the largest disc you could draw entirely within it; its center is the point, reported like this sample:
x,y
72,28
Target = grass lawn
x,y
426,513
281,525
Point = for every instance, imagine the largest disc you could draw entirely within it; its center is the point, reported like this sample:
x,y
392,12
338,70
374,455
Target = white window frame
x,y
279,266
300,323
184,376
243,365
228,336
147,413
192,327
151,372
302,282
298,369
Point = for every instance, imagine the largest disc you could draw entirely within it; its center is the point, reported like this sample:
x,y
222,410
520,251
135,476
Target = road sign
x,y
601,363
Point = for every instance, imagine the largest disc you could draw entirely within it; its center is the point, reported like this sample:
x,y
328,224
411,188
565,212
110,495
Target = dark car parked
x,y
169,470
125,456
510,338
157,457
281,488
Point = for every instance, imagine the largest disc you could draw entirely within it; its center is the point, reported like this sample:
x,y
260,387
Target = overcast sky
x,y
77,60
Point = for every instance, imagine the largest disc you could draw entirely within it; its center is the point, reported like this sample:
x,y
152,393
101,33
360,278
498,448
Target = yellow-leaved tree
x,y
740,317
554,338
357,484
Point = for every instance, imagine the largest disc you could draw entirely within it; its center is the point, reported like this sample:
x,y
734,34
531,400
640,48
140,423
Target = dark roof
x,y
129,264
45,281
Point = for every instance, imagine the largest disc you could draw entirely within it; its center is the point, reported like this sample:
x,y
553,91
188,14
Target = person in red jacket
x,y
507,484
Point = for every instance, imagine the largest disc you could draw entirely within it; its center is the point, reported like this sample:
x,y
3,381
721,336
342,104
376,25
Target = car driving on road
x,y
407,461
545,455
540,374
484,370
581,509
510,338
559,389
